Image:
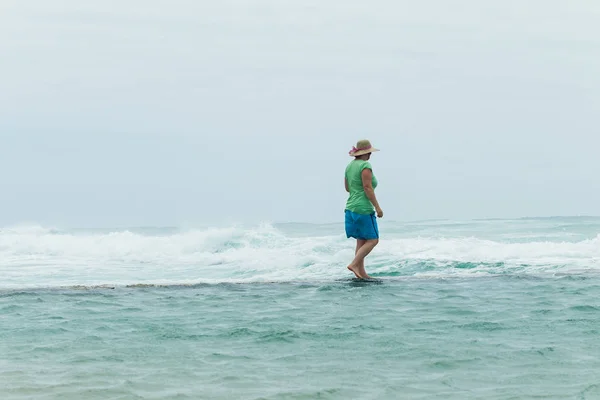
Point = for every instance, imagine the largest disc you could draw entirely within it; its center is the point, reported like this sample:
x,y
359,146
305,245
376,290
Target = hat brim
x,y
362,152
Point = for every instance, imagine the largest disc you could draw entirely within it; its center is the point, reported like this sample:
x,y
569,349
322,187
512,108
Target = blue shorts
x,y
361,226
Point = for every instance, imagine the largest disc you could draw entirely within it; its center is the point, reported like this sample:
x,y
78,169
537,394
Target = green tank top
x,y
358,201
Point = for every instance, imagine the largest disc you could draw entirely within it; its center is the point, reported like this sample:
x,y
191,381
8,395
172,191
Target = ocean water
x,y
486,309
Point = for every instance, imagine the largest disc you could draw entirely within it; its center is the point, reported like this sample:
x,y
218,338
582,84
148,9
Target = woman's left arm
x,y
346,185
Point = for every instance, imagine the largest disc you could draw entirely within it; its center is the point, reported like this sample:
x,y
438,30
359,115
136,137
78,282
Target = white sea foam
x,y
40,257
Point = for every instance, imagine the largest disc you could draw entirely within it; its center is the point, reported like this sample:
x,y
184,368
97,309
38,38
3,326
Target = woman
x,y
361,206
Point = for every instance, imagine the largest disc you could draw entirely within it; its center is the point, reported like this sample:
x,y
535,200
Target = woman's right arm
x,y
367,176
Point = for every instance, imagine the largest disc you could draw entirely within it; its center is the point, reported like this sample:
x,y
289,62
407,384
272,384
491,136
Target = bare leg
x,y
359,259
356,269
361,266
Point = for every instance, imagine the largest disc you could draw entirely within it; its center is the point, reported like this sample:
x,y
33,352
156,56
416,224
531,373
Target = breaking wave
x,y
40,257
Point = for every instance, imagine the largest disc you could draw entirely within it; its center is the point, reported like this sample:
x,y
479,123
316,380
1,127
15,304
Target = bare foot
x,y
354,269
363,273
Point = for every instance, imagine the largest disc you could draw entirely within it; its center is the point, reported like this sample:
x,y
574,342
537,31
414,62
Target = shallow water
x,y
474,313
493,338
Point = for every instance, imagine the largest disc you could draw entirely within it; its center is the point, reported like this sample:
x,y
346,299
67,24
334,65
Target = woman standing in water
x,y
361,206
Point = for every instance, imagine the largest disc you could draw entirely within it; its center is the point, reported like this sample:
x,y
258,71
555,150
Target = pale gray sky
x,y
192,112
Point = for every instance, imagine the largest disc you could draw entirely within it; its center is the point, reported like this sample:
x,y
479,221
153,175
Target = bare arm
x,y
367,176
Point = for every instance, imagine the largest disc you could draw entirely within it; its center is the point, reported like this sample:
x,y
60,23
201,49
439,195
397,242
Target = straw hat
x,y
362,147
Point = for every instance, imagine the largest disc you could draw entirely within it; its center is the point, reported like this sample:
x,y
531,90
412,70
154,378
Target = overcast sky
x,y
195,112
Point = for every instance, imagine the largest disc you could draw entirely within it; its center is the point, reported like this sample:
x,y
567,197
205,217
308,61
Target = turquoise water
x,y
503,309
